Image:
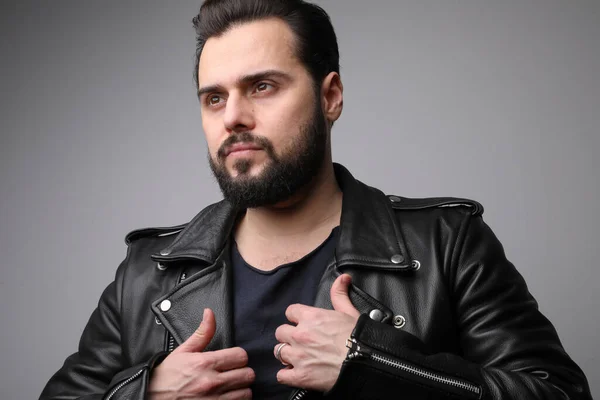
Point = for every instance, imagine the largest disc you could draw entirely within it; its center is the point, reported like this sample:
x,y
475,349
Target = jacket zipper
x,y
125,382
300,393
356,350
170,338
171,343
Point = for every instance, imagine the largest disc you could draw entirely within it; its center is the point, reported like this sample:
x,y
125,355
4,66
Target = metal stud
x,y
165,305
395,199
157,321
397,258
376,315
415,264
161,267
165,252
399,321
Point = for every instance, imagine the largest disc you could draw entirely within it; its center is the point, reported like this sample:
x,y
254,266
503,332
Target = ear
x,y
332,96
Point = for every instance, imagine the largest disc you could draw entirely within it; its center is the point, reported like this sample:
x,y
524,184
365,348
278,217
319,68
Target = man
x,y
308,283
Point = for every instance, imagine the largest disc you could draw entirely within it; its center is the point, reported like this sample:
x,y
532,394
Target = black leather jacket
x,y
445,315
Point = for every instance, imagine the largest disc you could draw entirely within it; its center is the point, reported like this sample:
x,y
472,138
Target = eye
x,y
213,100
263,87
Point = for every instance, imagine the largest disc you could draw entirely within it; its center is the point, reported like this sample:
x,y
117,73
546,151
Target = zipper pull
x,y
354,349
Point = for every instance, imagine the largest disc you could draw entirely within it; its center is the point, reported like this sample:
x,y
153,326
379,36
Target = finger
x,y
294,313
228,359
286,354
240,378
287,376
240,394
339,296
202,336
283,333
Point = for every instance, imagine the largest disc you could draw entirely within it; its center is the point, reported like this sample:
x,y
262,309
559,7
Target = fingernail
x,y
204,314
346,279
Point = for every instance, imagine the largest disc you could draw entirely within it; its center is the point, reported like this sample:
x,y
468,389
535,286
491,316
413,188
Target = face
x,y
265,128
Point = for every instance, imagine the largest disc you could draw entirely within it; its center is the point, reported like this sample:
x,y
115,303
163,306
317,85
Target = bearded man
x,y
304,283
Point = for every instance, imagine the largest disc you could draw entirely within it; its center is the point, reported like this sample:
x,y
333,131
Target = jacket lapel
x,y
369,234
203,247
180,311
369,239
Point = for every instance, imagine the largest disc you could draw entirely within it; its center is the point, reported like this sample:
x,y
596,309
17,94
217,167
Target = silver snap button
x,y
399,321
165,252
161,267
165,305
397,258
415,264
157,321
395,199
376,315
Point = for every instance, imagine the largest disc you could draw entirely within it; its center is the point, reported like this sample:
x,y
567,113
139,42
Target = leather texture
x,y
451,304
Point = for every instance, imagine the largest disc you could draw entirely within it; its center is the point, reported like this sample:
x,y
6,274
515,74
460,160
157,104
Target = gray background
x,y
100,134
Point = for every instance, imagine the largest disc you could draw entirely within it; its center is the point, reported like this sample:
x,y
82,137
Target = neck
x,y
315,208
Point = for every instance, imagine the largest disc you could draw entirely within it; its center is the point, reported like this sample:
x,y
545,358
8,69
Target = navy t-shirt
x,y
259,303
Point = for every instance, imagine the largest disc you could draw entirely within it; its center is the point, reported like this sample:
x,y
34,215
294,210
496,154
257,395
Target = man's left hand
x,y
316,346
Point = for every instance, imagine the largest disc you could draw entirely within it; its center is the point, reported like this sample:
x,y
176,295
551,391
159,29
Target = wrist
x,y
153,390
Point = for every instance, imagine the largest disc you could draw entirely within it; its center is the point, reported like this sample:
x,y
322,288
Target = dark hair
x,y
316,43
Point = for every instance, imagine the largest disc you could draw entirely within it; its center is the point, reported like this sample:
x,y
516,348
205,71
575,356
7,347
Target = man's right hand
x,y
188,373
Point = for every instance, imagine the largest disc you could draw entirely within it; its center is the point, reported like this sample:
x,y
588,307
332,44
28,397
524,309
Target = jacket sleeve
x,y
509,349
98,369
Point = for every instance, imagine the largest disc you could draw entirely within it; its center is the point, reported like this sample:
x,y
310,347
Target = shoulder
x,y
400,203
434,216
437,224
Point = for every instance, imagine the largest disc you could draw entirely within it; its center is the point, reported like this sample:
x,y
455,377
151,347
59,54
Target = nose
x,y
239,114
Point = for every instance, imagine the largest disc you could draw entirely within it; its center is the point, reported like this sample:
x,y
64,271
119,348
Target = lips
x,y
241,147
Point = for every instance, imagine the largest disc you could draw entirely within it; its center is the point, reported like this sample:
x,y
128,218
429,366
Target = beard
x,y
283,175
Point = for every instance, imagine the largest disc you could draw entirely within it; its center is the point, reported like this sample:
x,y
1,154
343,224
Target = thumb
x,y
202,336
339,296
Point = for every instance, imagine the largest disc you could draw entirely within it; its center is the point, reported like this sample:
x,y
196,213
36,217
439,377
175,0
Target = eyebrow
x,y
270,73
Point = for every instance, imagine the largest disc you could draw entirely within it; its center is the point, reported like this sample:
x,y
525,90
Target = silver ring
x,y
278,353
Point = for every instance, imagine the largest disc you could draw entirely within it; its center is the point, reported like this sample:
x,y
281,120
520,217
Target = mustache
x,y
245,137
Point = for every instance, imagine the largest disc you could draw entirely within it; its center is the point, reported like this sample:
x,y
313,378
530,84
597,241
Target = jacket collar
x,y
369,235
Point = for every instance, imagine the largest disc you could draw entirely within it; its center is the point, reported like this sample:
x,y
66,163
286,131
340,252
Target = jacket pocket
x,y
411,372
